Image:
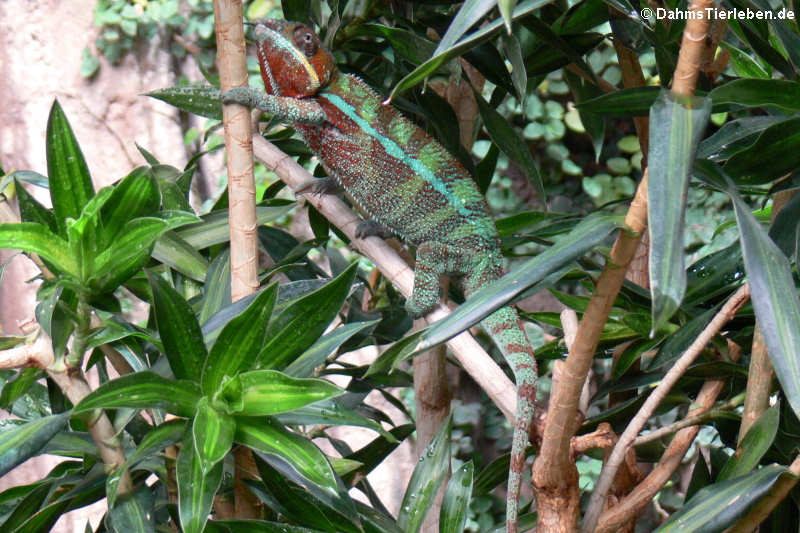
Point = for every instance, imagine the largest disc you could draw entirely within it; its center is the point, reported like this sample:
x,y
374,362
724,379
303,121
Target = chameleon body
x,y
403,179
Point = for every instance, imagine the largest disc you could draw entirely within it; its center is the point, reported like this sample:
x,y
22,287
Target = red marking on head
x,y
293,61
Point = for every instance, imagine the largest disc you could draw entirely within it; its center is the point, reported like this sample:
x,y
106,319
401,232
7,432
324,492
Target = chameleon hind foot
x,y
319,186
372,228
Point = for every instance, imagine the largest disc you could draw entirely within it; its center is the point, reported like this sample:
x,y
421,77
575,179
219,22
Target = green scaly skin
x,y
406,182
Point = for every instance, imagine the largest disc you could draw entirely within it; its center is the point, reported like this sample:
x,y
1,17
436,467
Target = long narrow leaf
x,y
269,392
298,326
753,446
304,457
675,130
470,41
143,390
455,504
774,297
468,14
17,444
717,507
196,489
36,238
127,254
179,330
305,364
212,433
585,236
70,184
428,476
239,341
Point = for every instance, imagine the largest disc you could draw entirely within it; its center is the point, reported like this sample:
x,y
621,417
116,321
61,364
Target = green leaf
x,y
468,14
734,136
407,44
176,253
135,196
679,342
546,58
455,505
782,94
89,63
214,229
203,100
331,413
303,502
269,392
470,41
676,126
18,443
396,353
70,183
212,433
21,382
143,390
584,237
719,506
315,356
634,102
37,239
127,254
755,444
157,439
510,142
298,326
300,453
217,286
134,513
179,331
428,476
744,65
196,489
254,526
776,152
239,342
31,210
774,298
784,228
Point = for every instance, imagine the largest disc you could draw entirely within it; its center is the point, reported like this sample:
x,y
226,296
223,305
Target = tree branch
x,y
603,484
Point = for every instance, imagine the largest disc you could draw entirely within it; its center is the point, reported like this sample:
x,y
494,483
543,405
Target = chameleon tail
x,y
506,330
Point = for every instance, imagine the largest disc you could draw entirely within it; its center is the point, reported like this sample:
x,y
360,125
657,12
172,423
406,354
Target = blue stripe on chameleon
x,y
395,151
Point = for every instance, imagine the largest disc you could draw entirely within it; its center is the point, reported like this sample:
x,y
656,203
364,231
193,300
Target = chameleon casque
x,y
402,178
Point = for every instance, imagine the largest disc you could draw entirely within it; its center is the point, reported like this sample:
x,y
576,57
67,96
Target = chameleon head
x,y
293,61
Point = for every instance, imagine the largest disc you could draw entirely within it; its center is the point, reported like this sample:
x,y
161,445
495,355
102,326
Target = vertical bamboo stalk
x,y
232,64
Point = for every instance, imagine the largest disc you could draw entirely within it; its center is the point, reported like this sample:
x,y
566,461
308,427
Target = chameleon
x,y
405,181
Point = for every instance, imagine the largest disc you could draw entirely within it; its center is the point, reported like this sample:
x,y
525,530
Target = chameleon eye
x,y
306,41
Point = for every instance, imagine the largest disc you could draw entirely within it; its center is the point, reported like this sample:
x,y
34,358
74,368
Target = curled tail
x,y
507,332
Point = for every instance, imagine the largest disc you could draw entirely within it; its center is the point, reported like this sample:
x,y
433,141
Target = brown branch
x,y
759,383
553,468
38,352
694,420
644,492
603,484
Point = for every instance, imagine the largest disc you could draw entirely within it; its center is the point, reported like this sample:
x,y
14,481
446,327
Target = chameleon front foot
x,y
239,95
